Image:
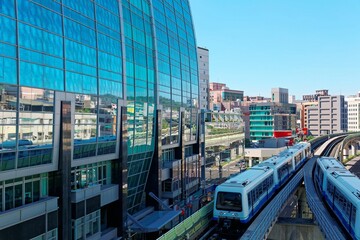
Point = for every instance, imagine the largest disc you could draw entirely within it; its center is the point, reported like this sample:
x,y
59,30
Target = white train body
x,y
241,197
341,191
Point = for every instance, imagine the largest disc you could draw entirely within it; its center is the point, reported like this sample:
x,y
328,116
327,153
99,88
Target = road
x,y
227,170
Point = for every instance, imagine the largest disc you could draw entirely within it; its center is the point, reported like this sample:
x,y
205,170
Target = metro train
x,y
239,198
341,191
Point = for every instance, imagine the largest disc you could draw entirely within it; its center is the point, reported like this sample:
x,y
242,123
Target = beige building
x,y
203,63
328,116
354,113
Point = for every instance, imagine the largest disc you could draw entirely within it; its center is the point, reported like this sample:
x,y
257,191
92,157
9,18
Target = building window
x,y
22,191
86,226
96,173
50,235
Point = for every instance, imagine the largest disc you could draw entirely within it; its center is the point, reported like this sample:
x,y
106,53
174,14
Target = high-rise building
x,y
223,98
353,103
271,119
268,119
292,99
203,60
328,116
314,97
99,106
280,95
304,113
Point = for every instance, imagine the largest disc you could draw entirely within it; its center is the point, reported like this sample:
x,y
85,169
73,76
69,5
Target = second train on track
x,y
238,199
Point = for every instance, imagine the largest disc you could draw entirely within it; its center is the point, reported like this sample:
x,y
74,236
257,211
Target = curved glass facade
x,y
141,53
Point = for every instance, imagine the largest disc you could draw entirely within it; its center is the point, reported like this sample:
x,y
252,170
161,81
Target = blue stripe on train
x,y
339,215
257,208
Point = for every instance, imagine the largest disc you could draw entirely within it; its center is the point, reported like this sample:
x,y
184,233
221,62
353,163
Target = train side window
x,y
330,188
353,216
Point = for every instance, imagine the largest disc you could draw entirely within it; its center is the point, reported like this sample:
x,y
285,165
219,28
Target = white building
x,y
354,113
203,59
328,116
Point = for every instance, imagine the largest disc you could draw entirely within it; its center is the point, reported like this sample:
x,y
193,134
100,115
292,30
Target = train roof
x,y
343,178
284,155
330,163
248,177
252,176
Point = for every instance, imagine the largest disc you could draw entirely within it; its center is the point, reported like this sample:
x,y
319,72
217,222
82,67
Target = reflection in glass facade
x,y
100,56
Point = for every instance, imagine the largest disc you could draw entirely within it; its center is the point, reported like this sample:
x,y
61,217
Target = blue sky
x,y
301,45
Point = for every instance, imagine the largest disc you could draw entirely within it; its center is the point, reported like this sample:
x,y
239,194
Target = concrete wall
x,y
286,231
262,152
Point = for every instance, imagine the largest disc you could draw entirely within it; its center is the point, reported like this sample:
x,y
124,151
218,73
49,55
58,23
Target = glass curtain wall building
x,y
98,108
268,118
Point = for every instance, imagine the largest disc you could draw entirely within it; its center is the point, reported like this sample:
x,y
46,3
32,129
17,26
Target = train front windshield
x,y
229,201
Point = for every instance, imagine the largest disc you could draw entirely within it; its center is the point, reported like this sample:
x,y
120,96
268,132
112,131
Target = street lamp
x,y
218,158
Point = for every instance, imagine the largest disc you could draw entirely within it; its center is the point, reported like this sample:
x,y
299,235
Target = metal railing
x,y
191,226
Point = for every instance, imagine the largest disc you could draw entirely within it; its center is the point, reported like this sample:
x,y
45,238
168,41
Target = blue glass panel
x,y
80,68
79,18
7,7
36,39
8,30
140,72
107,18
110,87
110,75
112,5
108,31
110,62
41,76
8,70
84,7
141,93
7,50
39,16
80,83
79,32
80,53
82,151
106,148
109,45
164,79
53,5
7,161
129,69
40,58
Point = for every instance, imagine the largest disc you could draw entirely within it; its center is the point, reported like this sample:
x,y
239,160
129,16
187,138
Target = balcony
x,y
85,193
193,158
28,211
192,182
109,193
172,194
171,163
108,234
171,188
